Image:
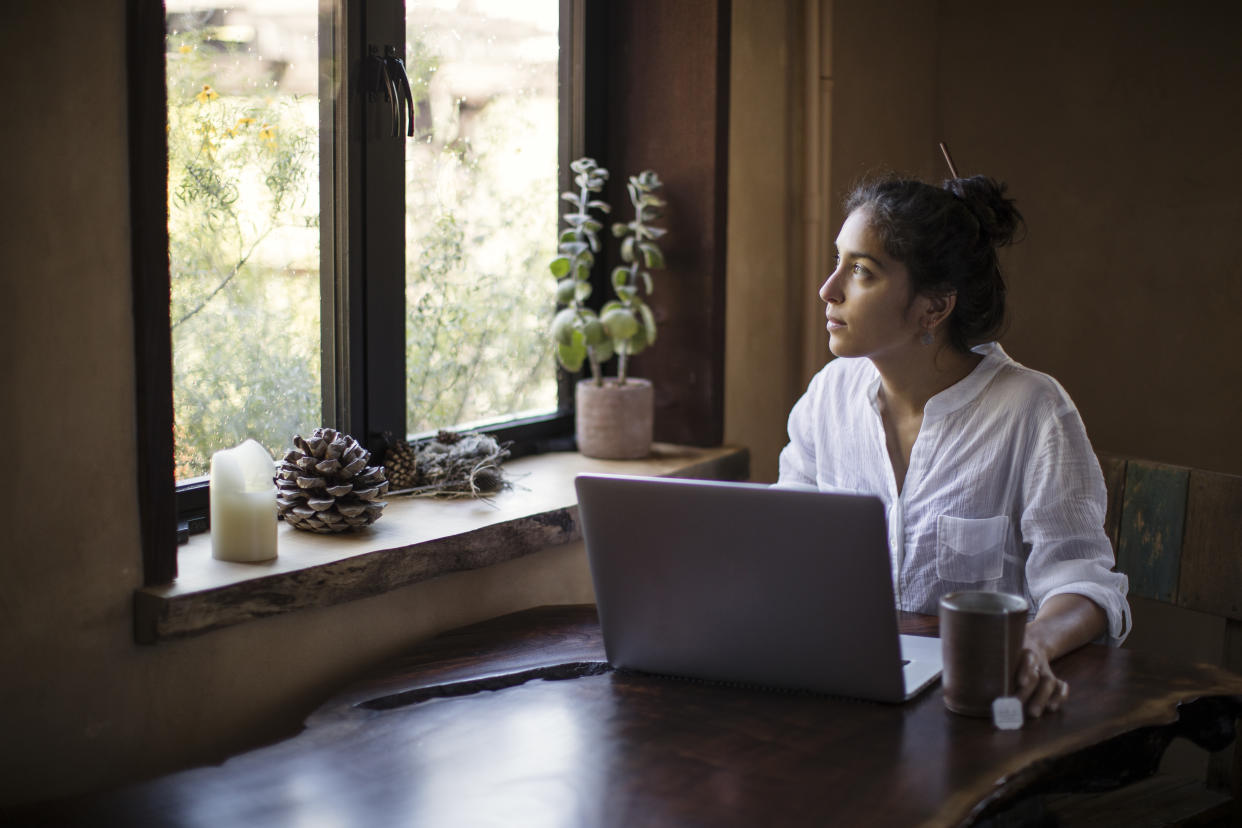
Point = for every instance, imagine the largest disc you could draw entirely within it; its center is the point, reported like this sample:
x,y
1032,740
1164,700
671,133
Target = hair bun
x,y
999,220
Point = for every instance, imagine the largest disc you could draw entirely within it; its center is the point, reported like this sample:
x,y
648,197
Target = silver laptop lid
x,y
743,582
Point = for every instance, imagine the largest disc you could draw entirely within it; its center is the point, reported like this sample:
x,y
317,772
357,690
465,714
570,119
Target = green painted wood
x,y
1211,574
1153,516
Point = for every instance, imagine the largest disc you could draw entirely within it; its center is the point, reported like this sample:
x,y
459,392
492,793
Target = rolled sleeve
x,y
1063,522
1091,580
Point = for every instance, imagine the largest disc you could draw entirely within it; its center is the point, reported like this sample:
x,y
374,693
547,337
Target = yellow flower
x,y
185,48
268,134
208,94
237,127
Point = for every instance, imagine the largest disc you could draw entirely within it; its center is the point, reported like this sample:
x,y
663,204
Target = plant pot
x,y
614,421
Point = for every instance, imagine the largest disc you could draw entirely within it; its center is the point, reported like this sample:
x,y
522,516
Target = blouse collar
x,y
959,393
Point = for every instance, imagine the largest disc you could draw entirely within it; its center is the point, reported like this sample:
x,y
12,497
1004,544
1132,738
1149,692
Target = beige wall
x,y
764,228
1117,126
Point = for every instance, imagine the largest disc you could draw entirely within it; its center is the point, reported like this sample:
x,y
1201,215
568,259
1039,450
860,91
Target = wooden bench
x,y
1177,532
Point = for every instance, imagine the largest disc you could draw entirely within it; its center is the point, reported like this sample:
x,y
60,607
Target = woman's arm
x,y
1070,567
1064,504
1065,622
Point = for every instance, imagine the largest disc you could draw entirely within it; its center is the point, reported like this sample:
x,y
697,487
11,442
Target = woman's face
x,y
868,294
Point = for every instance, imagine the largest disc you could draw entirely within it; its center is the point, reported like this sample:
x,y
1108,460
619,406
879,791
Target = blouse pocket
x,y
969,550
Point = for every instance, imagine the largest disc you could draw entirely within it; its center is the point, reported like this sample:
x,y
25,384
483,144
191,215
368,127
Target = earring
x,y
927,337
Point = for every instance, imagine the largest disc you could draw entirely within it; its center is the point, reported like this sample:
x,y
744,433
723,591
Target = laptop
x,y
747,583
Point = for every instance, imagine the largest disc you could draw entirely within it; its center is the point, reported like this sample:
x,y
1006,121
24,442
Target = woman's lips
x,y
834,323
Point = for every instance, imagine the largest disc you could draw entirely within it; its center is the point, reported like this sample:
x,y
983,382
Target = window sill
x,y
415,539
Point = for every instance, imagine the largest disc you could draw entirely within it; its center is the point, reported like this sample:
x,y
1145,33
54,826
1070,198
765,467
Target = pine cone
x,y
325,485
401,463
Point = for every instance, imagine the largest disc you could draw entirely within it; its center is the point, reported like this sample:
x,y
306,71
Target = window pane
x,y
481,210
243,202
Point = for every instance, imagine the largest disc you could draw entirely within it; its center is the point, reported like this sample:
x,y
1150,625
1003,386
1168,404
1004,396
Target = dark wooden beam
x,y
668,110
148,187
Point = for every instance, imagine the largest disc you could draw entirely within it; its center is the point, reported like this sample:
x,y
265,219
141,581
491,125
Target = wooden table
x,y
520,721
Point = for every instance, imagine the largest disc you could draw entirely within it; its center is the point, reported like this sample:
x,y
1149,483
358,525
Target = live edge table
x,y
520,721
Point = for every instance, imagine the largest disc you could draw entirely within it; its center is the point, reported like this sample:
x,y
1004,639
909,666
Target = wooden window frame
x,y
624,73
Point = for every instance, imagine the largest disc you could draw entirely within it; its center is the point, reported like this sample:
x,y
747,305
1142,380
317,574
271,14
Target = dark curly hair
x,y
947,237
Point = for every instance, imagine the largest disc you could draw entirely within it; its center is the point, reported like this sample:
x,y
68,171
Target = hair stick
x,y
948,159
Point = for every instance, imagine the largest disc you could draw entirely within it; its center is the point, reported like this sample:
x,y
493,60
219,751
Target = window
x,y
658,75
268,338
481,202
243,225
246,107
340,255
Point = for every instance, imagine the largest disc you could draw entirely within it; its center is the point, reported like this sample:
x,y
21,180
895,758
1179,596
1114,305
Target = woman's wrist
x,y
1036,641
1065,622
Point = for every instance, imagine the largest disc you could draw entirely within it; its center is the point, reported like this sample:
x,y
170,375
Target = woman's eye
x,y
859,270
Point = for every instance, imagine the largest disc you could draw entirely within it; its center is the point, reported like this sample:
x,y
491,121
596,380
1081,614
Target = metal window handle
x,y
386,75
400,82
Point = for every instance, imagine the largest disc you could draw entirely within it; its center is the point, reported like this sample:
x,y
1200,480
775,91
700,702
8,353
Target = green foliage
x,y
577,329
630,322
243,225
478,229
623,326
245,320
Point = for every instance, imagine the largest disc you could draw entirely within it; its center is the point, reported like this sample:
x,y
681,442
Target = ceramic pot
x,y
614,421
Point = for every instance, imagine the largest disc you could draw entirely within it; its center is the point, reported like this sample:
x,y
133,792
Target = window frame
x,y
622,116
362,280
148,187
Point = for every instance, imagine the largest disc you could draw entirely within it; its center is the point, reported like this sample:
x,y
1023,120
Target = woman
x,y
983,465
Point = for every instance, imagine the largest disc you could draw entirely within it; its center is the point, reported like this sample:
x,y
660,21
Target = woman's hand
x,y
1038,687
1064,623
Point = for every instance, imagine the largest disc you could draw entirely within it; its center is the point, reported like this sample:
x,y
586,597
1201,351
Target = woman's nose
x,y
829,291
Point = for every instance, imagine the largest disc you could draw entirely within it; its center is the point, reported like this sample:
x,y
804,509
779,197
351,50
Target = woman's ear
x,y
937,307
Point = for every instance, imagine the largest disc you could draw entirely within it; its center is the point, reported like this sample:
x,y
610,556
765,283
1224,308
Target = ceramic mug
x,y
981,636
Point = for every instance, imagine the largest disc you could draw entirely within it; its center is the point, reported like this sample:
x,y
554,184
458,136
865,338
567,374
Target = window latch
x,y
386,75
400,83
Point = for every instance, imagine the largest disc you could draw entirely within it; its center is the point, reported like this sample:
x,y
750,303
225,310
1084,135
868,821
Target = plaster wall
x,y
1116,125
764,224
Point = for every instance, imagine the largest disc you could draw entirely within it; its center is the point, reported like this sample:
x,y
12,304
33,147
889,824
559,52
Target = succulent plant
x,y
628,320
577,330
625,325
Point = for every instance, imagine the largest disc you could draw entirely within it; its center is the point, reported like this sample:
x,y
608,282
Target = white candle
x,y
243,504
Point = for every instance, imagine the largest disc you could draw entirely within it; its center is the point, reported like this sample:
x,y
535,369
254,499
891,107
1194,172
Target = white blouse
x,y
1003,490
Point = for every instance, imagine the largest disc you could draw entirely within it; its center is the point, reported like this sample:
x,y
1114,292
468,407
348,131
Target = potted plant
x,y
613,415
